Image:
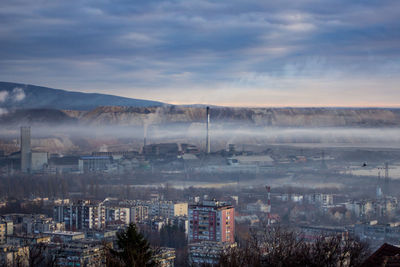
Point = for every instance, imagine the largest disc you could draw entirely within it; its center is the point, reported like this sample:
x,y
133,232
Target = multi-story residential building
x,y
84,215
180,209
375,207
168,209
3,237
165,257
81,215
14,255
122,214
139,213
320,199
6,228
39,223
27,240
79,253
211,221
65,236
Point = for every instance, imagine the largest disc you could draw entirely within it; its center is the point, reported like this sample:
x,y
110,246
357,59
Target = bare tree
x,y
274,246
36,254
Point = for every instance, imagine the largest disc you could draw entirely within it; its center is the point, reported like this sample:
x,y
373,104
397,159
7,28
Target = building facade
x,y
81,215
89,164
211,221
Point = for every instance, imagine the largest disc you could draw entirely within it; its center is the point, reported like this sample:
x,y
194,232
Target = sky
x,y
222,52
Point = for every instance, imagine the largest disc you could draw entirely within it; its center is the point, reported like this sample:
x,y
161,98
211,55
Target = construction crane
x,y
386,180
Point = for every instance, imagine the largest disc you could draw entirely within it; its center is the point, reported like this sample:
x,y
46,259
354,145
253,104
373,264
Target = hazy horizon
x,y
235,105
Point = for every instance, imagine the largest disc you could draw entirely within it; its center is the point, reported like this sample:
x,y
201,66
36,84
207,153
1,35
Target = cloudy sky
x,y
223,52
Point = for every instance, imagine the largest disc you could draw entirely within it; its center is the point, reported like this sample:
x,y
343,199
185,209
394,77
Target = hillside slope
x,y
15,96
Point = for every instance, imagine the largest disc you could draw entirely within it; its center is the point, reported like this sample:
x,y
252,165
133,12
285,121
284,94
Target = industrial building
x,y
26,160
89,164
65,164
164,150
39,161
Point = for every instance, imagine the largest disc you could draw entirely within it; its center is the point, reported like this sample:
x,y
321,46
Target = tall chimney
x,y
25,149
208,131
386,190
269,205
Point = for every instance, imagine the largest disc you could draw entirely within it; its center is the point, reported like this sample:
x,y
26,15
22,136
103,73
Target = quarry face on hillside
x,y
275,117
278,117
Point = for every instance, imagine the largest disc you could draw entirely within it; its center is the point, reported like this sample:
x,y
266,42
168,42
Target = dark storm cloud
x,y
231,46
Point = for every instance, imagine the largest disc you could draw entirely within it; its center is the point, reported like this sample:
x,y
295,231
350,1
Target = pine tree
x,y
134,250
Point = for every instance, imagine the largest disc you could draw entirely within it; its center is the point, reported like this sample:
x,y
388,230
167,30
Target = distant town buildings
x,y
378,233
83,215
381,207
258,206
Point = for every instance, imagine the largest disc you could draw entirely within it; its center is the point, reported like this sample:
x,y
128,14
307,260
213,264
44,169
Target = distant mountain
x,y
29,104
16,96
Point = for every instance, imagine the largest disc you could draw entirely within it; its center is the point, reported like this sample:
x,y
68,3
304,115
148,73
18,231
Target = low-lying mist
x,y
94,138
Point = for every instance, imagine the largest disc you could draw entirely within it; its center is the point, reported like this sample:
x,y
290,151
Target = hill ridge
x,y
27,96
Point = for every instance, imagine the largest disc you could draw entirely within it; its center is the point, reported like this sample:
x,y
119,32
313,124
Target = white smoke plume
x,y
3,111
151,118
18,94
3,96
104,148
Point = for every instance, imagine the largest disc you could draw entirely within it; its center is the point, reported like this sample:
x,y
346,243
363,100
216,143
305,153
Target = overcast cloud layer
x,y
225,52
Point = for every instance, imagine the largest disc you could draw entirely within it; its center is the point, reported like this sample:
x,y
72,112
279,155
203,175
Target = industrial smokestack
x,y
208,132
144,135
386,191
268,204
25,149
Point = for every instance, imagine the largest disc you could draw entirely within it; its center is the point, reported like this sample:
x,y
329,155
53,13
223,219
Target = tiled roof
x,y
386,255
